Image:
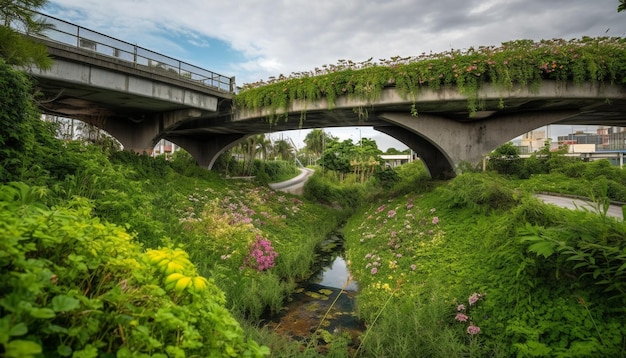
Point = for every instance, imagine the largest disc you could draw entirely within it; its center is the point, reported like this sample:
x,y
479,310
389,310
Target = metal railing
x,y
67,33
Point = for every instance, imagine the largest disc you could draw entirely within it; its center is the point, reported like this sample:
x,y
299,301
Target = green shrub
x,y
480,192
76,286
320,189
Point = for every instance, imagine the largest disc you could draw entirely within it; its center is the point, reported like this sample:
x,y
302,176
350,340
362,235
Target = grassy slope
x,y
530,304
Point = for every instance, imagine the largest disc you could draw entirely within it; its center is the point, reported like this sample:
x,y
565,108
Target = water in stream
x,y
325,302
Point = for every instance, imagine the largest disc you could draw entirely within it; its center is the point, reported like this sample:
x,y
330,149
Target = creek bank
x,y
324,306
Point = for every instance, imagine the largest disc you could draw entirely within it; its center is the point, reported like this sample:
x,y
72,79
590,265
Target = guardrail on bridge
x,y
70,34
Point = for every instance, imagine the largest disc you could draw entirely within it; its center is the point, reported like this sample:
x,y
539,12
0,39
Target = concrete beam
x,y
467,141
103,79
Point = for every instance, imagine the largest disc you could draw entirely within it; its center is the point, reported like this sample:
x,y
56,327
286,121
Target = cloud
x,y
298,35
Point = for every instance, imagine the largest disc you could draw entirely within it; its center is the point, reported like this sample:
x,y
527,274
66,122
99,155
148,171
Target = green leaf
x,y
22,349
63,303
64,351
42,313
19,329
545,249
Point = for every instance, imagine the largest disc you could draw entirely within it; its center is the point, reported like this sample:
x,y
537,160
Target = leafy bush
x,y
318,188
22,131
76,286
479,192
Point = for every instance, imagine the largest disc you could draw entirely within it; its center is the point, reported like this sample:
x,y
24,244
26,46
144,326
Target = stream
x,y
325,302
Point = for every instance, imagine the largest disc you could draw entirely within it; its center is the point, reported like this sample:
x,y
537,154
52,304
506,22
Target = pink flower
x,y
413,267
460,308
391,213
374,270
435,220
461,317
474,298
471,329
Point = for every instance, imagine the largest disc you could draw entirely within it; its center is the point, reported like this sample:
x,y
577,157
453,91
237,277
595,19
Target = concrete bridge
x,y
161,98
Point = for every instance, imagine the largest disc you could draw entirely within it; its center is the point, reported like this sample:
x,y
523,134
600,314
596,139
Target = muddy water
x,y
325,303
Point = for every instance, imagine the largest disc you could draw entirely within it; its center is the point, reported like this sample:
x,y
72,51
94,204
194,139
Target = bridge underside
x,y
443,134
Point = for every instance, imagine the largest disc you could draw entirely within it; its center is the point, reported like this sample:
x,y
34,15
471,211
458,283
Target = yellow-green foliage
x,y
76,286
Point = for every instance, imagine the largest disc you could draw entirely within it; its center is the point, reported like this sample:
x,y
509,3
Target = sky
x,y
257,39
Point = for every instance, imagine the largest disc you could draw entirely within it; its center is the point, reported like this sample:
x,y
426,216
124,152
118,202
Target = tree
x,y
505,159
622,6
315,140
337,156
282,149
17,17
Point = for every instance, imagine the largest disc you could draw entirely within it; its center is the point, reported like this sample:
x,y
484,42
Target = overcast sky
x,y
256,39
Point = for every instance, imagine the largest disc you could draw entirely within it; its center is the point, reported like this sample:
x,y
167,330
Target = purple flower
x,y
374,270
391,213
471,329
461,317
435,220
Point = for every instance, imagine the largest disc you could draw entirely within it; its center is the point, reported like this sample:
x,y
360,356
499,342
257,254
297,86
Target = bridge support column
x,y
206,150
439,139
141,133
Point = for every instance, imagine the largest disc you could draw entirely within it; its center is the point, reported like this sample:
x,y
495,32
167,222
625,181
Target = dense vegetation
x,y
478,267
521,62
108,253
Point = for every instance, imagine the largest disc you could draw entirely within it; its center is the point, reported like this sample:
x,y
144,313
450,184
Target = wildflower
x,y
413,267
460,308
367,256
409,206
432,210
461,317
474,298
374,270
435,220
471,329
391,213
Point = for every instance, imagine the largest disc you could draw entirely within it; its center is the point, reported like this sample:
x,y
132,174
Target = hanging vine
x,y
520,62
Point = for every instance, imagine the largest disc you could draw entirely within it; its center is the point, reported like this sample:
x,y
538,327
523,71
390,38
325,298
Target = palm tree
x,y
316,141
282,149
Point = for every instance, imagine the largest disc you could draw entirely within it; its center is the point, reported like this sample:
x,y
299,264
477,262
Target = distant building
x,y
605,138
616,139
164,147
532,142
394,160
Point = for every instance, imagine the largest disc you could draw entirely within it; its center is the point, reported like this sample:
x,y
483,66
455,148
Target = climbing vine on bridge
x,y
520,62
